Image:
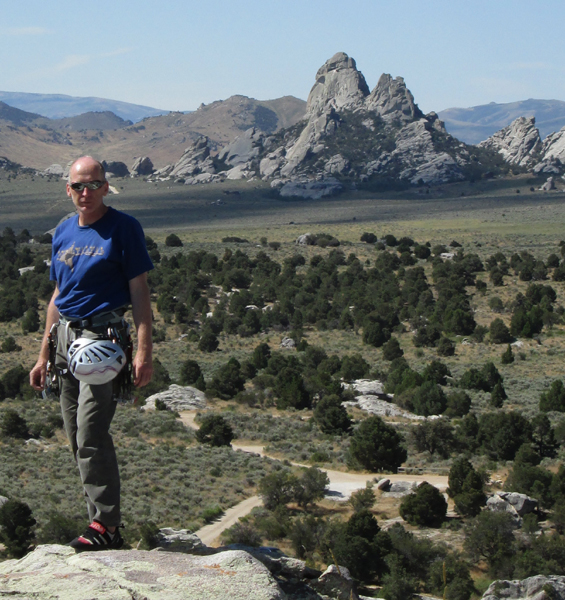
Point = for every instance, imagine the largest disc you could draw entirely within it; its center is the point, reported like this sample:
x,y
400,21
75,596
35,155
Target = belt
x,y
101,319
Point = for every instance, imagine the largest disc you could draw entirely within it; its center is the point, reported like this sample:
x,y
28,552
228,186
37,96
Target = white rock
x,y
178,398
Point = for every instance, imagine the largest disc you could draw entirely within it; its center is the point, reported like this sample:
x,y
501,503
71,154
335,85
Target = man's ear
x,y
69,191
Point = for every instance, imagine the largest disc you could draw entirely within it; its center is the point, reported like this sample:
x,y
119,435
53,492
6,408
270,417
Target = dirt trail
x,y
342,485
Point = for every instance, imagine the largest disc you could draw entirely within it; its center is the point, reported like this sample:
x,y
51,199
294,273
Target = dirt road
x,y
342,485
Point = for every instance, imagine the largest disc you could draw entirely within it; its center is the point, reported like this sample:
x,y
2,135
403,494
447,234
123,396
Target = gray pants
x,y
87,412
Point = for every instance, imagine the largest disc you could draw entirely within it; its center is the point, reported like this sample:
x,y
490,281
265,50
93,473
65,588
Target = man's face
x,y
89,203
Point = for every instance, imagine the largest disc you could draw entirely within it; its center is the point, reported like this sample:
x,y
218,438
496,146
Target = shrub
x,y
499,333
277,488
331,416
445,347
208,342
215,431
458,404
241,532
554,398
363,499
490,536
392,349
190,372
466,488
9,345
16,527
426,506
429,399
376,446
14,425
369,238
173,241
507,357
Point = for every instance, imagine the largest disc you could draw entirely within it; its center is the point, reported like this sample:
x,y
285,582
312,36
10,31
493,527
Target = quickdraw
x,y
51,389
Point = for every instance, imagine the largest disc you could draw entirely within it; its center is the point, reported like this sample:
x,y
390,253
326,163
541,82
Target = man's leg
x,y
96,456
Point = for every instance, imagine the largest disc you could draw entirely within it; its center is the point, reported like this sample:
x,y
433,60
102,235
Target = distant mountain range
x,y
476,124
36,141
59,106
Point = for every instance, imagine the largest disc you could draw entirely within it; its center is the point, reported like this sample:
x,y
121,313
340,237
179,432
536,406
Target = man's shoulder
x,y
121,217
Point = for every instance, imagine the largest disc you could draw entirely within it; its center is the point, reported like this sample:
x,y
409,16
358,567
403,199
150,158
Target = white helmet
x,y
95,361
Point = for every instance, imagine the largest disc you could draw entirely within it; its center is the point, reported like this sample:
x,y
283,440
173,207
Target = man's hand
x,y
141,309
142,370
38,375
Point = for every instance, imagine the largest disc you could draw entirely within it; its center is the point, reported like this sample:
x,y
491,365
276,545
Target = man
x,y
100,265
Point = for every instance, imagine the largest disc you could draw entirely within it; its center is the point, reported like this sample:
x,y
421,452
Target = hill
x,y
477,123
38,142
59,106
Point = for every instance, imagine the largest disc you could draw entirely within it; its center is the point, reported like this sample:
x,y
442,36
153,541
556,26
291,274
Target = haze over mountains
x,y
59,106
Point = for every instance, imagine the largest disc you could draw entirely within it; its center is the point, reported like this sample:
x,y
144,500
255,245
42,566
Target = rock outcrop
x,y
142,166
115,168
195,573
351,132
519,143
515,504
178,398
339,85
539,587
57,572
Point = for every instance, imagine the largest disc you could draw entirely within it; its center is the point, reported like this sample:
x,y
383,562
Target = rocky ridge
x,y
519,143
350,136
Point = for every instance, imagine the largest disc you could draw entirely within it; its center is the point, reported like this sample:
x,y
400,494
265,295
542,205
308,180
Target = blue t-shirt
x,y
93,264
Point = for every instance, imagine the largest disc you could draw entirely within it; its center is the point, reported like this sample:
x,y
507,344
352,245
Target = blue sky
x,y
176,54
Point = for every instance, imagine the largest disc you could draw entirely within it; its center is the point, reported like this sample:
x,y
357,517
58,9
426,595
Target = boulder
x,y
539,587
336,582
521,503
55,169
278,563
398,489
548,185
115,168
181,540
306,239
383,484
548,165
142,166
366,386
178,398
519,143
55,571
288,343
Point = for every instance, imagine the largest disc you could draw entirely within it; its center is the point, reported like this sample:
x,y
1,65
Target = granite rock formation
x,y
181,570
539,587
178,398
142,166
519,143
57,572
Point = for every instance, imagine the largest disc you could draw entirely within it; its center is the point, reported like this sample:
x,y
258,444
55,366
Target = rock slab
x,y
54,571
538,587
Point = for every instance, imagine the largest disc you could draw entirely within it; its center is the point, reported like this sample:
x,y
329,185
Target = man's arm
x,y
38,374
141,309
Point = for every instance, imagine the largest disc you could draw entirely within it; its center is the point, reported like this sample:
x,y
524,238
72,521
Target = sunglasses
x,y
90,185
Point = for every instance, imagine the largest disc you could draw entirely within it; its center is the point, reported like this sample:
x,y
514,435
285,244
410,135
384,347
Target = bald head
x,y
87,164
